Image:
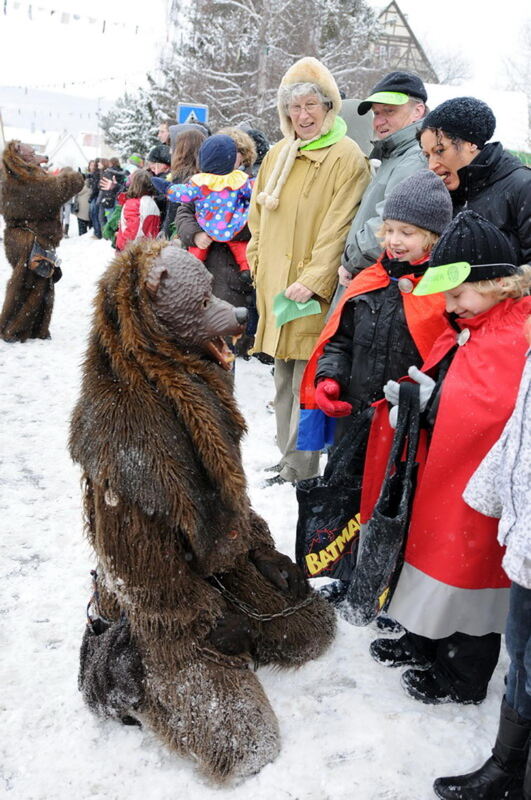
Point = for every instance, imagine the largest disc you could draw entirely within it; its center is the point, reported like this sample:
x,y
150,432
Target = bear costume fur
x,y
188,576
30,201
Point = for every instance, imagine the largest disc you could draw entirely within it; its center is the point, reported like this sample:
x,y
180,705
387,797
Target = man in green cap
x,y
398,103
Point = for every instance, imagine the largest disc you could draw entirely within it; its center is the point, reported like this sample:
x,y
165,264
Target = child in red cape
x,y
379,327
452,594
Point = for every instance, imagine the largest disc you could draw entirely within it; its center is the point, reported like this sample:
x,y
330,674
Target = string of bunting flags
x,y
34,11
65,84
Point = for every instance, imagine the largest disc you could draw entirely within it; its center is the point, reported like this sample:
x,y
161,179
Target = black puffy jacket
x,y
372,343
498,186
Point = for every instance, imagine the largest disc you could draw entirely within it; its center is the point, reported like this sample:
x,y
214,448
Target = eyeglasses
x,y
310,108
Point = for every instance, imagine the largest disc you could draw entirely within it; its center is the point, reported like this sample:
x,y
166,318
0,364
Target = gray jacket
x,y
401,156
501,485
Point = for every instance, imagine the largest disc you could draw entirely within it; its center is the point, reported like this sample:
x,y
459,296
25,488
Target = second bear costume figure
x,y
190,588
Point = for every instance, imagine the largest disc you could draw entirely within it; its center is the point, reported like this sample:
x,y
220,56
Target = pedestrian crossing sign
x,y
192,112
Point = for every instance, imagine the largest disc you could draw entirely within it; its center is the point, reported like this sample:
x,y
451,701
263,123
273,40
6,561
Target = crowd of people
x,y
359,273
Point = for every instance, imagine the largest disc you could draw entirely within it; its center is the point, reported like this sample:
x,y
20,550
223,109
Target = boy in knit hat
x,y
379,326
452,594
221,193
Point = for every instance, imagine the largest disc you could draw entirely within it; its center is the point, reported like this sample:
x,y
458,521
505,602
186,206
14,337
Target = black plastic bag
x,y
382,548
329,505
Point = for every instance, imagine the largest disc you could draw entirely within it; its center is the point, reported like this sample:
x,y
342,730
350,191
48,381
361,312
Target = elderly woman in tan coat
x,y
307,191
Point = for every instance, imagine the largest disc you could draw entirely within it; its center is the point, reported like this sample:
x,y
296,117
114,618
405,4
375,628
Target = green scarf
x,y
338,130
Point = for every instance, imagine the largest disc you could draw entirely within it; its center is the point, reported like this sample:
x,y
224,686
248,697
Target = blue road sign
x,y
192,112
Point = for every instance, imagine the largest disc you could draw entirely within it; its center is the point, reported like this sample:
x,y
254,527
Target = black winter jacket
x,y
372,343
498,186
94,183
107,197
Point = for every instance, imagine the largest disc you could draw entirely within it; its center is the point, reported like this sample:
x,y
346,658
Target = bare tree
x,y
451,66
518,71
231,55
236,51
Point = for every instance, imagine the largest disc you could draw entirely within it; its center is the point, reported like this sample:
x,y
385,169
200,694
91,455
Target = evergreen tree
x,y
131,125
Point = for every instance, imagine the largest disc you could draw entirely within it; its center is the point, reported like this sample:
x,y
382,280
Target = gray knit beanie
x,y
422,200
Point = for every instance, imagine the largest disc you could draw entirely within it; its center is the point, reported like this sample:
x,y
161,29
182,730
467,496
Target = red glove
x,y
327,393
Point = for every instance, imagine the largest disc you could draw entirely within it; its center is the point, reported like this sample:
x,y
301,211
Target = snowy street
x,y
349,732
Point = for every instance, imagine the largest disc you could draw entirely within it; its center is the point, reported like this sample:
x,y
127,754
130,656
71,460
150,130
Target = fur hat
x,y
160,154
217,154
421,199
466,117
305,70
309,70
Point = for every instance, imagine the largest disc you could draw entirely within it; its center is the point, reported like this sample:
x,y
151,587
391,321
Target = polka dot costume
x,y
221,201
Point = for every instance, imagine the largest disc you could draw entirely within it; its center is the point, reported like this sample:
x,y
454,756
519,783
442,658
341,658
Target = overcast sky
x,y
49,50
46,52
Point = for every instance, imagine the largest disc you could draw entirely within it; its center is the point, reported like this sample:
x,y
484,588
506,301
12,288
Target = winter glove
x,y
280,571
233,634
327,394
392,389
426,384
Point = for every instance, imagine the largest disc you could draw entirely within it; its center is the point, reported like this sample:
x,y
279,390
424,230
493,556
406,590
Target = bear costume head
x,y
179,290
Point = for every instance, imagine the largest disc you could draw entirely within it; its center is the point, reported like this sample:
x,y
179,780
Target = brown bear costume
x,y
30,201
190,589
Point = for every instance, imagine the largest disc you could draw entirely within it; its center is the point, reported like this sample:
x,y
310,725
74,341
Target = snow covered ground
x,y
348,729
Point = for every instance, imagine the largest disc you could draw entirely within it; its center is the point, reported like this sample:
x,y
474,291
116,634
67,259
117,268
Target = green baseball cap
x,y
394,89
443,278
389,98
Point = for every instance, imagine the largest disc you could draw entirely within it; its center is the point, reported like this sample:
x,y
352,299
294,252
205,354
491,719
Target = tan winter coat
x,y
303,239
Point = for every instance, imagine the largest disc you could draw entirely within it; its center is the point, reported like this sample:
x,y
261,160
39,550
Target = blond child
x,y
380,327
452,594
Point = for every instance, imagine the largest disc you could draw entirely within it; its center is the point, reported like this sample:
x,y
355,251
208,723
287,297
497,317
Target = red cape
x,y
447,539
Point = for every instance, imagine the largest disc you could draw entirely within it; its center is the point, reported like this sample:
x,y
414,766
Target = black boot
x,y
431,686
502,775
399,652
